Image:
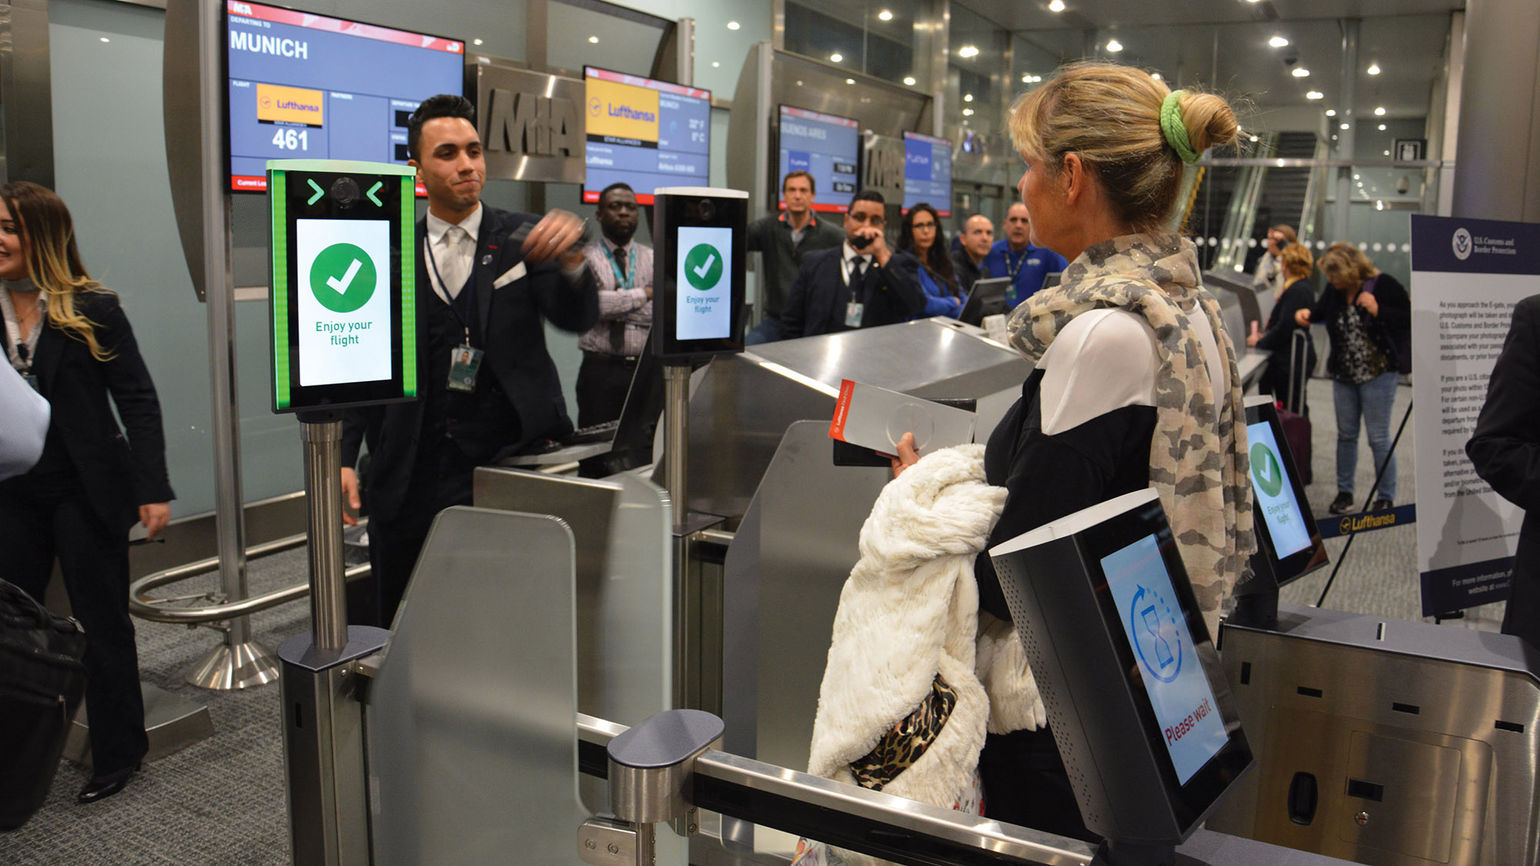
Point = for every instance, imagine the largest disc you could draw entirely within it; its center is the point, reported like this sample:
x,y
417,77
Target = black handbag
x,y
42,680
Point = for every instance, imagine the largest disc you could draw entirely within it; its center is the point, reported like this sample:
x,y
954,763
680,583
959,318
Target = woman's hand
x,y
1302,318
907,456
154,516
1370,305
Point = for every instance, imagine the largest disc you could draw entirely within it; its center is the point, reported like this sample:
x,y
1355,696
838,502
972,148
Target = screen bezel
x,y
1301,562
778,182
288,395
591,196
224,61
1206,785
973,312
670,216
933,141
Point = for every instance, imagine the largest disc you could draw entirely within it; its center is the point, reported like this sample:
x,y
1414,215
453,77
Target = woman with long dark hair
x,y
67,335
922,235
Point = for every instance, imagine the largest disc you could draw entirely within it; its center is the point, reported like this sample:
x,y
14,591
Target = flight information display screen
x,y
826,146
1174,679
645,133
927,172
305,86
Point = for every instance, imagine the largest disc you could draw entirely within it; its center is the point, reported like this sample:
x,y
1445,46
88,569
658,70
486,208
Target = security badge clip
x,y
464,362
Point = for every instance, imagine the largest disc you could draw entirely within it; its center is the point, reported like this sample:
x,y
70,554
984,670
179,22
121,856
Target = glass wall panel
x,y
876,37
111,170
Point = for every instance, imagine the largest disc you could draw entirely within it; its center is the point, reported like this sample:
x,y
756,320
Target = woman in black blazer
x,y
1296,262
67,335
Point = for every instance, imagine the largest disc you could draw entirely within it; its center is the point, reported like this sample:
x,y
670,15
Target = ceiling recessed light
x,y
105,39
1331,112
733,25
968,51
593,40
885,15
1056,6
850,81
1382,127
1379,111
475,41
967,112
1315,94
1374,69
1356,177
716,64
1253,139
836,57
967,97
909,80
1343,125
1278,42
1300,72
1156,76
1387,153
1114,46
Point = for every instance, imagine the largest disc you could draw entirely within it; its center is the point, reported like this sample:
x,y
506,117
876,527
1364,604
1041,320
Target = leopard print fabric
x,y
906,741
1198,458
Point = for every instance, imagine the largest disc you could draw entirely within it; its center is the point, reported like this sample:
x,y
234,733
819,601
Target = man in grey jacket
x,y
784,239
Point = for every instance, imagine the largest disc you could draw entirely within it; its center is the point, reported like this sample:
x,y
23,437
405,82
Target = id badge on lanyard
x,y
464,363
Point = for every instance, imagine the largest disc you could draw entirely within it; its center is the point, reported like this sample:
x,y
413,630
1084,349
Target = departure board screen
x,y
305,86
826,146
645,133
927,172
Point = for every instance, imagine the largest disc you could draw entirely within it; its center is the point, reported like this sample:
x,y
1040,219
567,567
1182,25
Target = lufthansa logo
x,y
595,107
1461,243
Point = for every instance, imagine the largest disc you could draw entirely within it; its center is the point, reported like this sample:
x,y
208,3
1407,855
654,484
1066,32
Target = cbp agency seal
x,y
1462,244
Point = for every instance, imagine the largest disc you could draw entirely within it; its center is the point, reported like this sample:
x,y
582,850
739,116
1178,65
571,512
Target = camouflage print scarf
x,y
1198,463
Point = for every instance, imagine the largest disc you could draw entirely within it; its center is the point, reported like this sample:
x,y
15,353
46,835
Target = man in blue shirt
x,y
1015,257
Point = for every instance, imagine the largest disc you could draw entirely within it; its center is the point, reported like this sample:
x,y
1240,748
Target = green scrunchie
x,y
1175,130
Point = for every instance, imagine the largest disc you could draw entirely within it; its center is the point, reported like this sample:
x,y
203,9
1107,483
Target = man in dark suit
x,y
977,236
490,389
1505,450
859,284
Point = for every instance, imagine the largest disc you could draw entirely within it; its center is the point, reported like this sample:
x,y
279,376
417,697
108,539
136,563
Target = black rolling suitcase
x,y
1291,409
42,679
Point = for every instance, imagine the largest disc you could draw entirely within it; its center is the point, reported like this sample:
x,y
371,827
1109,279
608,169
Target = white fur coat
x,y
908,611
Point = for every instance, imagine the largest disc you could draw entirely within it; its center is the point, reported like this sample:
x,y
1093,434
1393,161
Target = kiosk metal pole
x,y
676,434
323,483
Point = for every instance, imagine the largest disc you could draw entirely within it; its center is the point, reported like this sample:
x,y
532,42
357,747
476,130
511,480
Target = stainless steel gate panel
x,y
743,403
1421,740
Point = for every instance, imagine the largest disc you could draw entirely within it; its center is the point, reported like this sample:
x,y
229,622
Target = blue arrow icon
x,y
318,191
374,189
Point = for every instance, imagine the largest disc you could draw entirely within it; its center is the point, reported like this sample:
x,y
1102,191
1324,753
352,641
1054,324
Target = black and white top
x,y
1080,434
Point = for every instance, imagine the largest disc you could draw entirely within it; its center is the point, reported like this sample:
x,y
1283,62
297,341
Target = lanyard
x,y
1019,262
626,280
22,348
453,310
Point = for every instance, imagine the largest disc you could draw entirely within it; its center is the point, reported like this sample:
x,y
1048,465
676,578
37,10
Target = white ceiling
x,y
1222,44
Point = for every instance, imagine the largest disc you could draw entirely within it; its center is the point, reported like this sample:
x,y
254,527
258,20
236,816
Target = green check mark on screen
x,y
1265,469
342,278
703,267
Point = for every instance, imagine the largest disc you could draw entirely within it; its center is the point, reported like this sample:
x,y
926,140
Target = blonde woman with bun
x,y
1135,383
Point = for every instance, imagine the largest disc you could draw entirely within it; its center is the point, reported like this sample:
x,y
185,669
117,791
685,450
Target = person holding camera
x,y
860,284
